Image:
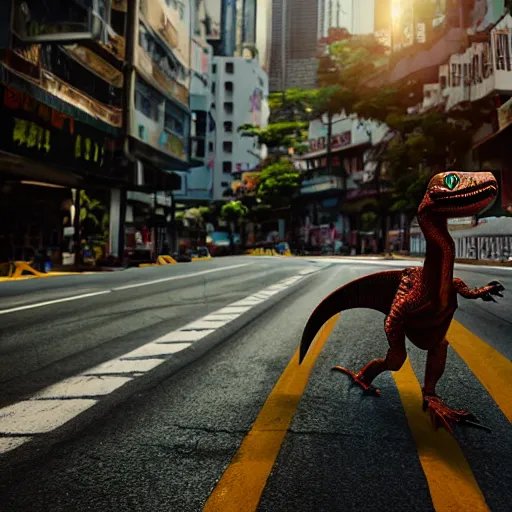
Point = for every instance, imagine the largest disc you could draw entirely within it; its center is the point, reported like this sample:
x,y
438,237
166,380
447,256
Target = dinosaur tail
x,y
375,291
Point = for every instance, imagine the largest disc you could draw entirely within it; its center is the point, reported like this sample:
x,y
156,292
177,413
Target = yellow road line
x,y
451,482
243,482
490,367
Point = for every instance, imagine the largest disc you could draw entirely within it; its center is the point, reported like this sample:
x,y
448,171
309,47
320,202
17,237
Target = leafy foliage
x,y
234,211
277,135
278,183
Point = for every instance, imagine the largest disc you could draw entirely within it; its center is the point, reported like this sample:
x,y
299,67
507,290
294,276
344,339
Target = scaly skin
x,y
419,303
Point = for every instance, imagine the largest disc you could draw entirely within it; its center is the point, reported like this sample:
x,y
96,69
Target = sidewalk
x,y
398,257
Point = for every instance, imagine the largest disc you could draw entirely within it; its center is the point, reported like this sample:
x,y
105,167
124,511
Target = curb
x,y
24,457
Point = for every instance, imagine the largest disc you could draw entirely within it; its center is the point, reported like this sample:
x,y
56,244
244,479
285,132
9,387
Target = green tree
x,y
278,137
233,212
278,183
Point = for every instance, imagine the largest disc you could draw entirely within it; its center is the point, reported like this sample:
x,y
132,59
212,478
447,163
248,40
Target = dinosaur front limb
x,y
394,360
485,293
440,414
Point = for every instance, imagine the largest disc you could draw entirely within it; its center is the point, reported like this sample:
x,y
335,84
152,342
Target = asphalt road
x,y
214,435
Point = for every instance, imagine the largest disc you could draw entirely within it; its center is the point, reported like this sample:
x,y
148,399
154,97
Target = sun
x,y
395,10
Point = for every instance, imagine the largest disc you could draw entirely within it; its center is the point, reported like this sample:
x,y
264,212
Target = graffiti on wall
x,y
496,248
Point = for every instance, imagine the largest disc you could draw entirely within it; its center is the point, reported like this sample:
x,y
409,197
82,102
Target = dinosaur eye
x,y
451,181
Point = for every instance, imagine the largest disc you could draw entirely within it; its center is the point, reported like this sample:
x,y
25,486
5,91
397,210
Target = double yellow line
x,y
451,482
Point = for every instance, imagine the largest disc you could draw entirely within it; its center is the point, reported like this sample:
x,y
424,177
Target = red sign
x,y
337,142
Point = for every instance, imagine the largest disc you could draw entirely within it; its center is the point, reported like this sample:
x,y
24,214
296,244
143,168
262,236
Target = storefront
x,y
45,155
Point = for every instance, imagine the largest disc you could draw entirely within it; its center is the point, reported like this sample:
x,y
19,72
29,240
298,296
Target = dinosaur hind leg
x,y
393,361
441,414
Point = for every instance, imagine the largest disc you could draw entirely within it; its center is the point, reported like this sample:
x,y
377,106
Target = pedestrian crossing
x,y
58,404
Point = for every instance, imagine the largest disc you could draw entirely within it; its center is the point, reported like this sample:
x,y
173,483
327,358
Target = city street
x,y
178,388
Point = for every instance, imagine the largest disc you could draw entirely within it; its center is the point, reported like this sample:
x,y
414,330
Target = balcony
x,y
322,184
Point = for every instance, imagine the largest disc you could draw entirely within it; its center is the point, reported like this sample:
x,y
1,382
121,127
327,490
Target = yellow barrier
x,y
266,252
166,260
202,258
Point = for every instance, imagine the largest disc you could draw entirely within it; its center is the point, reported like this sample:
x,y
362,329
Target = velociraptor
x,y
419,303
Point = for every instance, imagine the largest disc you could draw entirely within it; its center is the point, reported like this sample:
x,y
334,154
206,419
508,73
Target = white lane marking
x,y
50,302
206,324
176,336
10,443
233,310
82,386
216,317
120,366
40,416
251,301
155,349
117,289
176,278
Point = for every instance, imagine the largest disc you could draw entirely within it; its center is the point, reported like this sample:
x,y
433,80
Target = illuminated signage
x,y
35,21
34,130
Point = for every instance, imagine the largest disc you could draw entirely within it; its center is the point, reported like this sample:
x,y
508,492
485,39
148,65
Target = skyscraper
x,y
293,46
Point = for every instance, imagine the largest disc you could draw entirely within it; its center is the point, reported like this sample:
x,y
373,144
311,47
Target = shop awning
x,y
161,160
493,137
24,169
323,152
9,77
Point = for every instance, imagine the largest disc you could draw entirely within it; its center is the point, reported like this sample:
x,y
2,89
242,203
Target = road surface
x,y
178,389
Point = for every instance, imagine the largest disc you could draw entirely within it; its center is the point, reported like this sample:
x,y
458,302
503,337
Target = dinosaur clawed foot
x,y
442,416
357,379
495,289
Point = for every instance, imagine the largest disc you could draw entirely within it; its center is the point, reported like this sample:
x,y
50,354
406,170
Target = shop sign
x,y
54,21
34,130
337,141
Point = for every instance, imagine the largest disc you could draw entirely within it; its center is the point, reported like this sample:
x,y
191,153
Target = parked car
x,y
218,243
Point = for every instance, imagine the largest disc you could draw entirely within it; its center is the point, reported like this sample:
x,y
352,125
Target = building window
x,y
228,87
228,107
224,184
227,166
230,68
210,147
213,87
227,146
146,105
214,68
228,127
502,50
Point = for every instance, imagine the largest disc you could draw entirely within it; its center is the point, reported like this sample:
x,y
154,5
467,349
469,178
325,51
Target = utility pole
x,y
131,38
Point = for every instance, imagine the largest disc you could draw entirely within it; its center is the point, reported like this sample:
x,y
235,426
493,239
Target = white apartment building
x,y
240,92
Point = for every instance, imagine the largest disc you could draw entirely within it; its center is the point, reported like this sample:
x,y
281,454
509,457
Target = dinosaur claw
x,y
356,379
443,416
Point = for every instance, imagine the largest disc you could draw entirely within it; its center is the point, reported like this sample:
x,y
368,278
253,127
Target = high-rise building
x,y
240,97
293,46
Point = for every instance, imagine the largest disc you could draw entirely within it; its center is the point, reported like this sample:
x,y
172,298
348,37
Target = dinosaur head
x,y
459,194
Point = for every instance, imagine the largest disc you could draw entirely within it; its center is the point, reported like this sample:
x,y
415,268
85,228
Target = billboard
x,y
416,21
210,15
34,21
